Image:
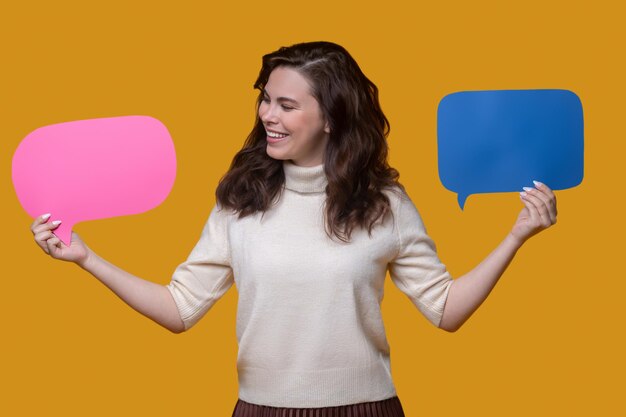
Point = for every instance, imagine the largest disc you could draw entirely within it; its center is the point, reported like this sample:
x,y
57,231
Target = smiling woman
x,y
318,149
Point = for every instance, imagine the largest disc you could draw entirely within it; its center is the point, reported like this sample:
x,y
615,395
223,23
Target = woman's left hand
x,y
538,214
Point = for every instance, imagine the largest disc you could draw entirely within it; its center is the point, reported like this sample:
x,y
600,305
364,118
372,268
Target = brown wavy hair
x,y
355,158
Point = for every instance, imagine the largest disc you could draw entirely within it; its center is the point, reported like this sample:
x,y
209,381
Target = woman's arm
x,y
469,291
148,298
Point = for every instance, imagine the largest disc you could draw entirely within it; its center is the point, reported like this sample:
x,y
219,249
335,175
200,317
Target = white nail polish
x,y
45,216
527,188
537,183
523,194
56,222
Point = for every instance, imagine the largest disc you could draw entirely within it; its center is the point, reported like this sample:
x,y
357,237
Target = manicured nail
x,y
45,216
527,188
523,194
56,222
537,183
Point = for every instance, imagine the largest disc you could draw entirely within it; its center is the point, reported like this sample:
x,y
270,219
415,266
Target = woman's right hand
x,y
76,252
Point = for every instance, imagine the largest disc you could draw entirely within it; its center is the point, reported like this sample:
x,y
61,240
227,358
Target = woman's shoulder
x,y
222,213
396,194
402,204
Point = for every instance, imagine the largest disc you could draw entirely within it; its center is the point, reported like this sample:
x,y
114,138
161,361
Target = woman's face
x,y
293,119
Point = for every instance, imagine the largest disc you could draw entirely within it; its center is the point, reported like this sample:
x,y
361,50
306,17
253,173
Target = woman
x,y
308,220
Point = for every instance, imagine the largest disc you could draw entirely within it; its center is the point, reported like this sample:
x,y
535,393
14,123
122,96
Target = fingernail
x,y
45,216
537,183
527,188
523,194
56,222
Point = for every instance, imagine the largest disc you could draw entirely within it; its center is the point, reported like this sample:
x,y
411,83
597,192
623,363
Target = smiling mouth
x,y
276,135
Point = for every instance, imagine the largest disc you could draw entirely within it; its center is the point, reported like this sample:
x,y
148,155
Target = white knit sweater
x,y
309,323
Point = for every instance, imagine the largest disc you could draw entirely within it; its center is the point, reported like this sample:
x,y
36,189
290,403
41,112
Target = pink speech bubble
x,y
94,169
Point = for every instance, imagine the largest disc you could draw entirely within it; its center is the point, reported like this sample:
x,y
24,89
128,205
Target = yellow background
x,y
547,342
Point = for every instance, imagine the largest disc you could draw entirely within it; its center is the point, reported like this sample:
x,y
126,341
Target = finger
x,y
549,198
550,209
542,210
53,246
47,226
547,191
39,220
532,210
41,239
544,188
44,235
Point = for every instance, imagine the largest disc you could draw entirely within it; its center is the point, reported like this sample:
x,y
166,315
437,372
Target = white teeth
x,y
275,135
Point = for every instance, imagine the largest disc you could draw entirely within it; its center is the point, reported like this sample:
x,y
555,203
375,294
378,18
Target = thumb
x,y
54,246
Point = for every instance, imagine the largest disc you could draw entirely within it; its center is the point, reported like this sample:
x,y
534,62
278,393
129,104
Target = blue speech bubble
x,y
501,140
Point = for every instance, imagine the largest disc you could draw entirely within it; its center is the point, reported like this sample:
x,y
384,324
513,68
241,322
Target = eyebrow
x,y
290,100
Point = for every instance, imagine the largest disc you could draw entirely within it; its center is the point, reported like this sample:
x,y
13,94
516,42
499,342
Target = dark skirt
x,y
390,407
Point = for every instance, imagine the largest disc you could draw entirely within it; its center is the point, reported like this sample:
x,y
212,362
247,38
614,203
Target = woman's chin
x,y
276,154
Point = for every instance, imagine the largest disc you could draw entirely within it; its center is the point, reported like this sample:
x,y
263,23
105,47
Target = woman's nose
x,y
268,114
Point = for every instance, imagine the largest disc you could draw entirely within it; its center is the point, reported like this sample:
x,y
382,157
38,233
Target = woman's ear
x,y
327,128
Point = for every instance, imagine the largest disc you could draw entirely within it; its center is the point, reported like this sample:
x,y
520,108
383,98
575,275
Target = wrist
x,y
85,263
514,241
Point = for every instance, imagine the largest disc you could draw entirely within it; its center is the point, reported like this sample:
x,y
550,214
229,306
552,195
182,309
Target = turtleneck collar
x,y
304,179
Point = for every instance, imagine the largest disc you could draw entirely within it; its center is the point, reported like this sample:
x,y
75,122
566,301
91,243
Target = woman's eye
x,y
283,106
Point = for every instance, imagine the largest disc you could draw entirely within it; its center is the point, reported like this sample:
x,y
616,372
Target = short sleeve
x,y
206,275
416,269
